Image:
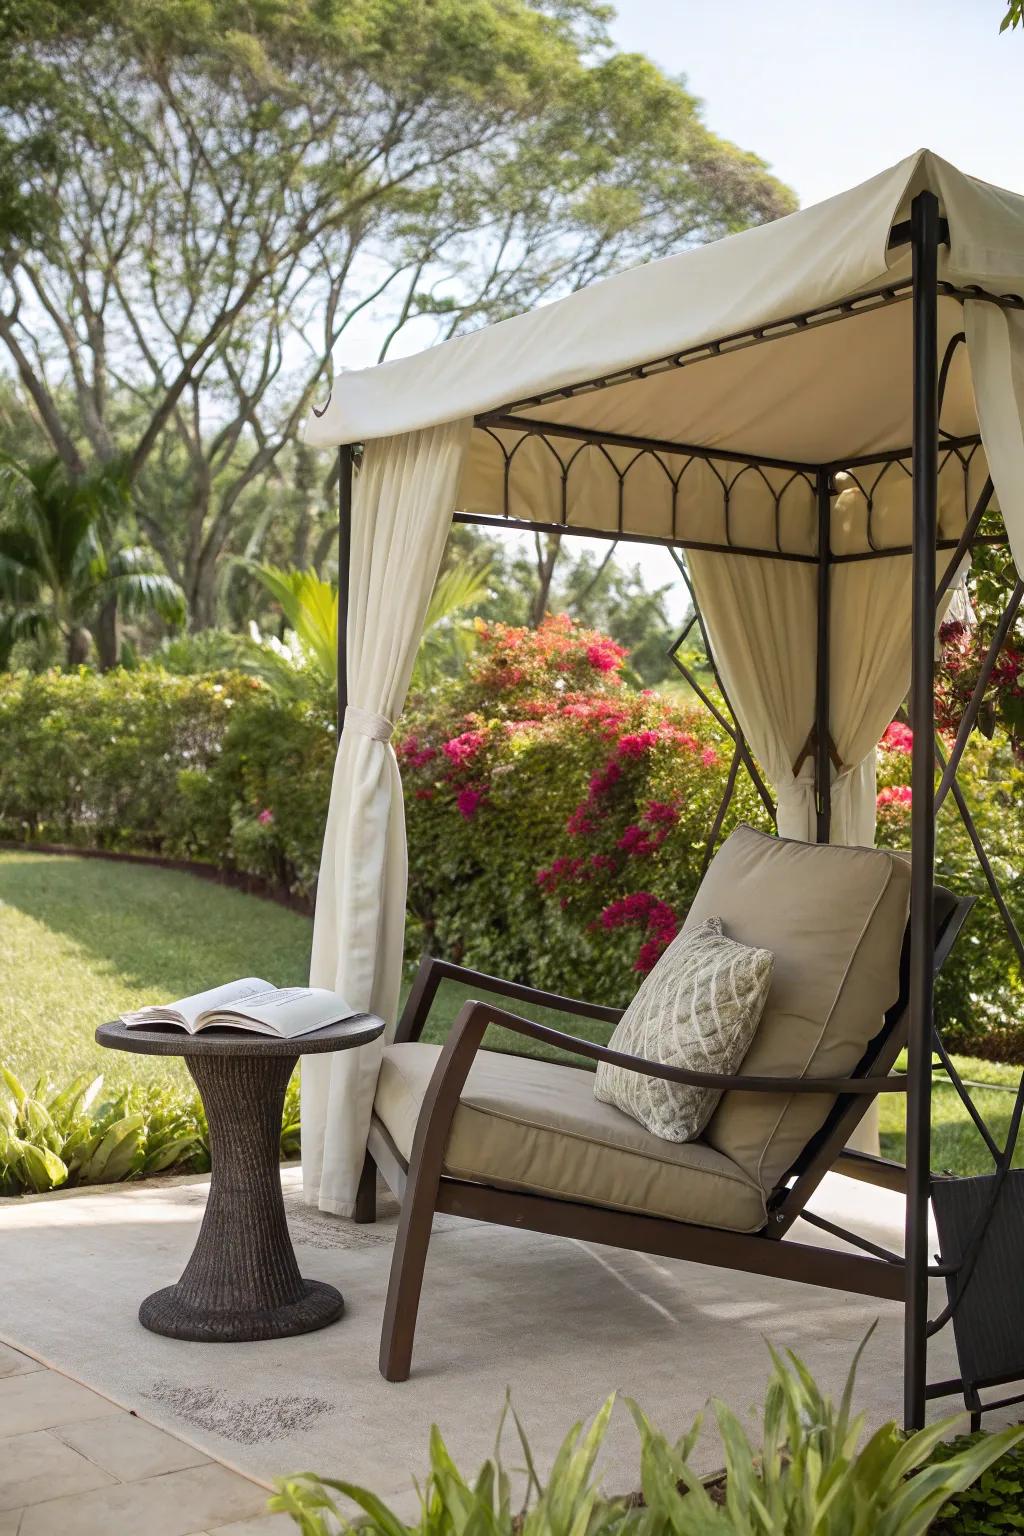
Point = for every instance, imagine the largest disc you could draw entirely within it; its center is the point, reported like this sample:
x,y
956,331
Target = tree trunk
x,y
203,596
547,555
79,641
106,636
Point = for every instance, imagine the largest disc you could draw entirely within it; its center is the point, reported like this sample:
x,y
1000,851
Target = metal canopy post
x,y
345,459
822,733
925,239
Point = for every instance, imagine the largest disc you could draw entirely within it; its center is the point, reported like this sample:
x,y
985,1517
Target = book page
x,y
285,1011
187,1010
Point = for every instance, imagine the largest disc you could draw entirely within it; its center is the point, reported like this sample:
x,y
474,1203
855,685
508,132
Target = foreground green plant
x,y
52,1137
991,1506
807,1478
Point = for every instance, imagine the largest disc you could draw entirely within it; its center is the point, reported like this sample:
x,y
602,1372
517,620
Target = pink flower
x,y
661,811
894,794
634,840
462,749
265,817
467,802
898,737
709,757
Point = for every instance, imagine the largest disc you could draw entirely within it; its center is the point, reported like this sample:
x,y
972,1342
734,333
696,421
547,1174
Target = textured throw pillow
x,y
699,1008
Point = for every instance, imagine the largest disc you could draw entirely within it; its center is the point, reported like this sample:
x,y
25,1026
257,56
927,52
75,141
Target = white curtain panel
x,y
403,498
762,622
995,345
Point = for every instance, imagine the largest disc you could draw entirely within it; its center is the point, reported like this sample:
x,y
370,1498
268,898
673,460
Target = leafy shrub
x,y
184,767
812,1475
53,1137
991,1506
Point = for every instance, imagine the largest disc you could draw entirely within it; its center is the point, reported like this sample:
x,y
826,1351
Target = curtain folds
x,y
403,498
995,346
761,617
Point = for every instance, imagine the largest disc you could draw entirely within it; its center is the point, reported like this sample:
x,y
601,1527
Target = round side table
x,y
242,1281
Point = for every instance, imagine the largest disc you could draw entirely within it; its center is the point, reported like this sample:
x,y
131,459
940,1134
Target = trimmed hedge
x,y
210,768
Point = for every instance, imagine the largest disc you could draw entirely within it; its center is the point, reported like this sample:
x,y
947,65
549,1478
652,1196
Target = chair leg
x,y
406,1280
365,1209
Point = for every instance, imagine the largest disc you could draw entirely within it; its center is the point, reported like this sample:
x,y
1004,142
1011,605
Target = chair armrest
x,y
476,1016
432,972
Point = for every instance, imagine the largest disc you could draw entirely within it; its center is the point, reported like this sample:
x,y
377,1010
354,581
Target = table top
x,y
167,1041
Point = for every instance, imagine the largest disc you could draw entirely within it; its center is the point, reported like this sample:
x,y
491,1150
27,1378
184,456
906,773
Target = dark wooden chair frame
x,y
423,1187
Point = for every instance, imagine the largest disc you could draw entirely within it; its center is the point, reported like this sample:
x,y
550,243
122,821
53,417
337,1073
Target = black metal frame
x,y
924,232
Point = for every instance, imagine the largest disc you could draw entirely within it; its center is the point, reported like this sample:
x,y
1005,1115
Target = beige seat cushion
x,y
530,1124
834,918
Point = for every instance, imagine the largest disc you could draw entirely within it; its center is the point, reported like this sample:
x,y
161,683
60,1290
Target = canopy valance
x,y
820,412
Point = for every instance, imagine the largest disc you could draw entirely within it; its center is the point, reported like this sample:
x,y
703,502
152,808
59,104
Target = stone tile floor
x,y
73,1463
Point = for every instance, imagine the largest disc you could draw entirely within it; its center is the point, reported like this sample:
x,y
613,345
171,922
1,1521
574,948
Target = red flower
x,y
661,811
636,743
605,655
894,794
580,824
635,840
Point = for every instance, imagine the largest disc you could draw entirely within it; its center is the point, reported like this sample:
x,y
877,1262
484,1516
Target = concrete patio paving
x,y
72,1463
560,1323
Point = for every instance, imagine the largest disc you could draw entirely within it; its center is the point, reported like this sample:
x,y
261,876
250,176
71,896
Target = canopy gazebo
x,y
820,412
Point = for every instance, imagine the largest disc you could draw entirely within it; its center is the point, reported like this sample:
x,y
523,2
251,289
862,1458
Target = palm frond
x,y
310,608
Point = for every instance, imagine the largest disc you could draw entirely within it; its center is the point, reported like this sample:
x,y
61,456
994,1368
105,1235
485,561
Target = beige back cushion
x,y
834,918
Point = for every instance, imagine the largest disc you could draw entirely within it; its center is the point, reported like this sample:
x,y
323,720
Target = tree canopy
x,y
200,197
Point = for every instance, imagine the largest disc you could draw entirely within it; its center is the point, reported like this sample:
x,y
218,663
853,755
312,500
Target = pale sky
x,y
829,94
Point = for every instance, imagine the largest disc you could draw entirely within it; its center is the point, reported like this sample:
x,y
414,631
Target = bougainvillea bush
x,y
558,818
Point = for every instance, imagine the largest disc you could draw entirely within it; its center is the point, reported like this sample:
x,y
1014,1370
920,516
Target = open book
x,y
249,1004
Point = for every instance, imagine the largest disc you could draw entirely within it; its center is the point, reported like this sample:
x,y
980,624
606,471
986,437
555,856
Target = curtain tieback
x,y
365,723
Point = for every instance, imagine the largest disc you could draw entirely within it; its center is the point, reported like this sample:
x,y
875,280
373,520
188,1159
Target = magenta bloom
x,y
468,802
709,757
265,817
636,743
462,749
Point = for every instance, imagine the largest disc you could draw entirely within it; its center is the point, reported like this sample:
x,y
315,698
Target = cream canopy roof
x,y
658,339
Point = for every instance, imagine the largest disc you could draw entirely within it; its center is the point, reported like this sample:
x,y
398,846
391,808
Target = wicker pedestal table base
x,y
242,1281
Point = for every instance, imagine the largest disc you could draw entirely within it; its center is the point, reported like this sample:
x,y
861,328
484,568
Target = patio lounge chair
x,y
522,1141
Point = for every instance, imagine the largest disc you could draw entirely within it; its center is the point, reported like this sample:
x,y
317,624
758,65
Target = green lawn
x,y
83,939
